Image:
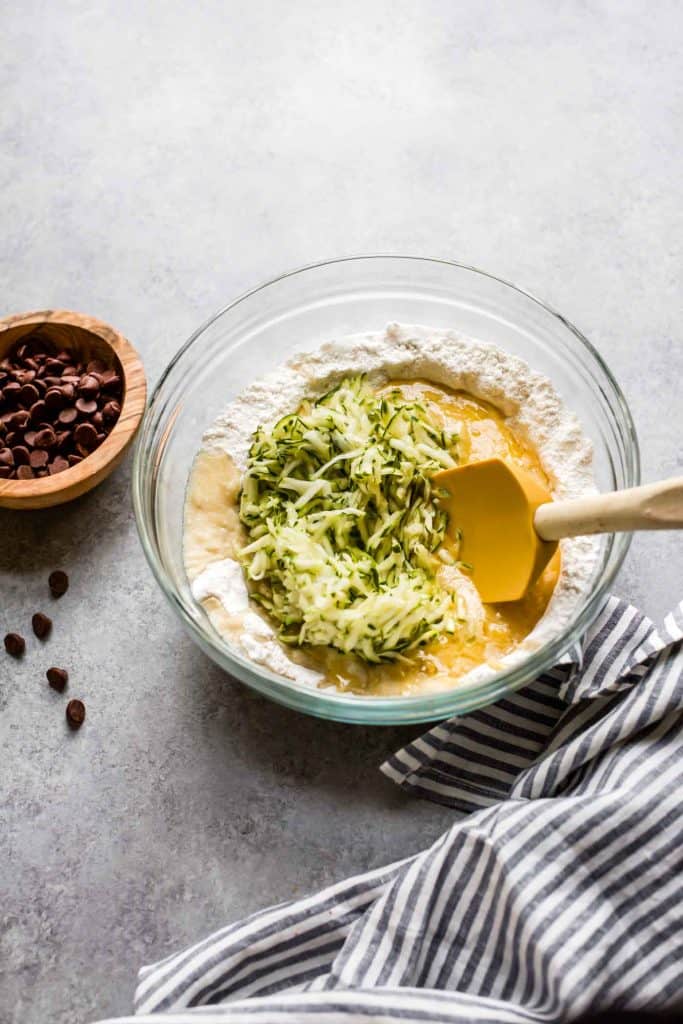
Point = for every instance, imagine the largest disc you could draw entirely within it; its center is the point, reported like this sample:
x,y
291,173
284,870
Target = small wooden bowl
x,y
89,339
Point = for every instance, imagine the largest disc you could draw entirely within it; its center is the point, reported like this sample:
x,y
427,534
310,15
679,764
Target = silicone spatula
x,y
510,525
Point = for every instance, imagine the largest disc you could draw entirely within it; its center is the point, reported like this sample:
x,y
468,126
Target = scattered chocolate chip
x,y
75,713
58,583
57,678
25,473
41,625
15,645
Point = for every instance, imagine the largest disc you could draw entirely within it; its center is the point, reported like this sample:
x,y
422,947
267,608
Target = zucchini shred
x,y
345,532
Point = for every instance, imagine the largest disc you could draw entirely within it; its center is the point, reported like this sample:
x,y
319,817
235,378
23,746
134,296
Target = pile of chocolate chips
x,y
54,410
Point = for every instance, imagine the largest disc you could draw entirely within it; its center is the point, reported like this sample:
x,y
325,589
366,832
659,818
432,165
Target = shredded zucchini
x,y
343,526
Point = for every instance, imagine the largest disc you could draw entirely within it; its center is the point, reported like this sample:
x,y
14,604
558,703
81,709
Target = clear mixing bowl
x,y
299,311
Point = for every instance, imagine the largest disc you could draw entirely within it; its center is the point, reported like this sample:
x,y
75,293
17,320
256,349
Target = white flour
x,y
534,411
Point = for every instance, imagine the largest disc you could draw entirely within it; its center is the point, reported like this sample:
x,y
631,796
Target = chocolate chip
x,y
58,678
111,411
45,438
6,457
20,419
25,473
38,412
11,391
41,625
54,399
22,456
37,459
5,472
30,438
68,392
89,386
68,415
15,645
58,582
75,713
111,380
98,421
28,394
86,436
74,459
58,465
96,366
54,367
86,406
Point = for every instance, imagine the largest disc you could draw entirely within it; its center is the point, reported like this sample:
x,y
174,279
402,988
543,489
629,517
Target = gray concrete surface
x,y
157,159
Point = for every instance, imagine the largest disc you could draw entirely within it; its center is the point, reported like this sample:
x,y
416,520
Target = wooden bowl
x,y
89,339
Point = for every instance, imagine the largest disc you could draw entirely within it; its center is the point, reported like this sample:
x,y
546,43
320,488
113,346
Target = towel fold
x,y
558,889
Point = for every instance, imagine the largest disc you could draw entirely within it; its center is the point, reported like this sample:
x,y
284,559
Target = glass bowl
x,y
298,312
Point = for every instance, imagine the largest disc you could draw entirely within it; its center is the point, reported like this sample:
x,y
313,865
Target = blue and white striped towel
x,y
559,888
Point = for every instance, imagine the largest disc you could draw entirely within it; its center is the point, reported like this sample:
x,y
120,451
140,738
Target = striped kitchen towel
x,y
558,889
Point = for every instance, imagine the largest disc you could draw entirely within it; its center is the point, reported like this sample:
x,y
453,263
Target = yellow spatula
x,y
510,524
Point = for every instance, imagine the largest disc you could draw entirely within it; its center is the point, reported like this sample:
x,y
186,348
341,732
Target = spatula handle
x,y
656,506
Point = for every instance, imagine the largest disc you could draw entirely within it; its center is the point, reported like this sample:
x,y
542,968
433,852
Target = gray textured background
x,y
157,159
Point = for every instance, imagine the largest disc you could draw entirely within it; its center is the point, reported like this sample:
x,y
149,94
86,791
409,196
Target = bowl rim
x,y
123,431
403,709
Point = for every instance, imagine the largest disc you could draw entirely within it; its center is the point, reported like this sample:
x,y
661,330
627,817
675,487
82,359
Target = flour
x,y
534,411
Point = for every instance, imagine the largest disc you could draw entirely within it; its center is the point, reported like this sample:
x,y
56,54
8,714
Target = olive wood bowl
x,y
88,338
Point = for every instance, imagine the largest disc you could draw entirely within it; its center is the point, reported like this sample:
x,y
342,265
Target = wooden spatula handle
x,y
651,507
